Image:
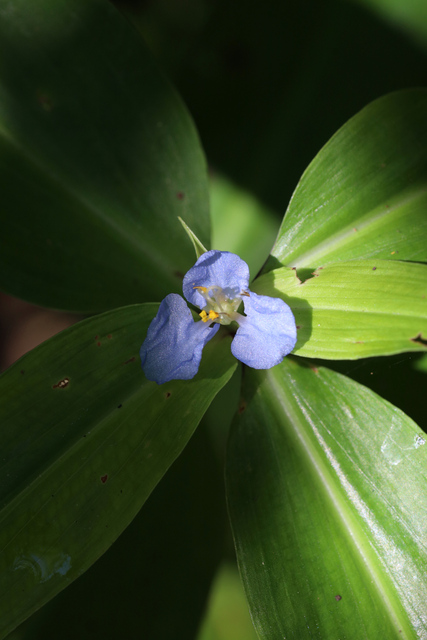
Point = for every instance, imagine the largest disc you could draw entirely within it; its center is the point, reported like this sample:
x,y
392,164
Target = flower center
x,y
219,307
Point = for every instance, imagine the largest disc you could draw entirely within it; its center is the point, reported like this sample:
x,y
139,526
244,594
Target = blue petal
x,y
220,268
267,334
173,347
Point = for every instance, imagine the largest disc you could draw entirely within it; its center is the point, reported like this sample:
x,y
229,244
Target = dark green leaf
x,y
165,559
98,157
84,440
328,501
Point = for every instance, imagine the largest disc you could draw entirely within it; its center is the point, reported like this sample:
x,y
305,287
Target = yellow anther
x,y
206,317
204,289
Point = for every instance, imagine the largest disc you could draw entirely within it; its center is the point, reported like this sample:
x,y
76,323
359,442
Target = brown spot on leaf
x,y
374,268
104,479
242,406
109,336
168,394
419,340
180,195
338,597
61,384
130,360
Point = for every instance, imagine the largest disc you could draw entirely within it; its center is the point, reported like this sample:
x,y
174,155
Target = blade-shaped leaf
x,y
328,500
365,193
355,309
152,566
84,440
98,158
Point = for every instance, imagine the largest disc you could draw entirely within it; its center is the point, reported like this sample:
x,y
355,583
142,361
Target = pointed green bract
x,y
365,194
328,501
199,248
84,440
98,158
355,309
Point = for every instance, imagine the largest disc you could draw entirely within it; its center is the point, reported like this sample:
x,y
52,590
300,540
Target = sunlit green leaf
x,y
355,309
84,440
365,193
328,500
98,158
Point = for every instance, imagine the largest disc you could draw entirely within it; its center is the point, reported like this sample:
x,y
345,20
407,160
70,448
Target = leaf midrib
x,y
347,519
308,258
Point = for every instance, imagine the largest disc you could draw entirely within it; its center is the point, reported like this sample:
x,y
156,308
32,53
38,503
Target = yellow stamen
x,y
206,317
204,289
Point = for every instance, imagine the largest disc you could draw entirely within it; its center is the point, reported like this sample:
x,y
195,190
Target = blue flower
x,y
218,284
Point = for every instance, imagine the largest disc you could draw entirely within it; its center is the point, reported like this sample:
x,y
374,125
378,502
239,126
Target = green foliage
x,y
365,193
355,309
96,439
98,158
326,491
326,481
119,595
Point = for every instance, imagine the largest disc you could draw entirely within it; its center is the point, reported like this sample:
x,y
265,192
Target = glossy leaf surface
x,y
98,157
365,194
84,440
328,500
355,309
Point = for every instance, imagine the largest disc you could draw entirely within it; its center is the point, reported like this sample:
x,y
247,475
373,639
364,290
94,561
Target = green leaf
x,y
98,158
409,16
227,616
365,193
84,440
327,497
149,563
241,223
355,309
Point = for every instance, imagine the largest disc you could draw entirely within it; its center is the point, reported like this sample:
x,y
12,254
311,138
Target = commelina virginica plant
x,y
325,480
217,283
